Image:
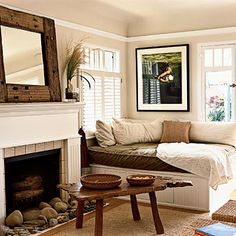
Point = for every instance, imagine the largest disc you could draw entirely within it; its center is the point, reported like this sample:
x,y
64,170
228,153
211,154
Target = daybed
x,y
118,154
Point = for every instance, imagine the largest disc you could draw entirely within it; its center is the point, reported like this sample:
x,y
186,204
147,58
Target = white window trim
x,y
200,74
103,72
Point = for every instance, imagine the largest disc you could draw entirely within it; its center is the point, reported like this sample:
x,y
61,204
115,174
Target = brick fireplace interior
x,y
31,178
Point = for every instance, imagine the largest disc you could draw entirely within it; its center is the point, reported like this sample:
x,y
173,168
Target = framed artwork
x,y
162,75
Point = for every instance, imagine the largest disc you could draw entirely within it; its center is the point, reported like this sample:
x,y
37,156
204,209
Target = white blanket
x,y
211,162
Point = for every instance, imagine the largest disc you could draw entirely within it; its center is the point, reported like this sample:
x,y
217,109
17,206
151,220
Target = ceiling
x,y
137,17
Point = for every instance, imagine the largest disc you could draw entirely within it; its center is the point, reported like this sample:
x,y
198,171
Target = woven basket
x,y
142,180
226,213
100,181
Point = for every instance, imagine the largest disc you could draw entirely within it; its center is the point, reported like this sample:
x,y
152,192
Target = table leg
x,y
134,207
99,217
79,214
155,214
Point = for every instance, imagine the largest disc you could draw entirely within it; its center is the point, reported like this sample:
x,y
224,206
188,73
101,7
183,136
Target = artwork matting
x,y
162,75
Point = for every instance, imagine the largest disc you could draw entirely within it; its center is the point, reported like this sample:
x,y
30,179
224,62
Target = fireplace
x,y
35,129
31,178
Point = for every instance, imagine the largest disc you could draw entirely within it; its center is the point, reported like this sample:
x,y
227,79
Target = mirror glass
x,y
22,56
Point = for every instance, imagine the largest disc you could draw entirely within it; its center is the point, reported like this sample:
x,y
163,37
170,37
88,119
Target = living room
x,y
154,71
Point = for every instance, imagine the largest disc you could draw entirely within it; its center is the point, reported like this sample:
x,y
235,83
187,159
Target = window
x,y
218,73
102,100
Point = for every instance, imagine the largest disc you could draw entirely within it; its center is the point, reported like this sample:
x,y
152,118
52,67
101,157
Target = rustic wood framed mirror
x,y
30,75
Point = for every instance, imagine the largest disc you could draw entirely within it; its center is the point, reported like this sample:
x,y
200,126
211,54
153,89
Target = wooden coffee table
x,y
82,194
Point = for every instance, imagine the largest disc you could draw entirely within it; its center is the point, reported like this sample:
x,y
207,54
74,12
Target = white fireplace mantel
x,y
38,123
22,109
28,123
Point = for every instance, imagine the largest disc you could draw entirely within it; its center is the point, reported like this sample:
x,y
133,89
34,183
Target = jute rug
x,y
119,222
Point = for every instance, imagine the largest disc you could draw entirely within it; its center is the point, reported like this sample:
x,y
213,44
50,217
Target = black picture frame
x,y
162,78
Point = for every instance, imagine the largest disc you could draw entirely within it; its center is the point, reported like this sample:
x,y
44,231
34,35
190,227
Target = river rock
x,y
63,218
54,200
49,213
4,230
43,205
14,219
41,217
72,213
31,214
52,222
37,222
60,207
21,231
74,204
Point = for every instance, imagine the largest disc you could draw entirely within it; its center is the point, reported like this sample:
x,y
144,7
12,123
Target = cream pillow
x,y
104,134
175,131
213,132
128,133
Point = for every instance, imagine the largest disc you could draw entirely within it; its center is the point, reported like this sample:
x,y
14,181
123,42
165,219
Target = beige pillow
x,y
104,134
128,133
175,131
213,132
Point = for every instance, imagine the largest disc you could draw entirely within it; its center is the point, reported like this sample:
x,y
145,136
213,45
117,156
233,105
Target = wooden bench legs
x,y
135,212
99,217
155,214
79,214
134,207
156,218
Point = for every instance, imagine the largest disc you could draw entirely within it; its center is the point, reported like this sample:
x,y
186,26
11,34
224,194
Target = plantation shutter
x,y
102,101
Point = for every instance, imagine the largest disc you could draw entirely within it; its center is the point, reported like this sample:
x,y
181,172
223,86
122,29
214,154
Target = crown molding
x,y
194,33
91,30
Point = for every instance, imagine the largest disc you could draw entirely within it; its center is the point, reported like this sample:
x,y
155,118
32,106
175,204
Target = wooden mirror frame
x,y
51,92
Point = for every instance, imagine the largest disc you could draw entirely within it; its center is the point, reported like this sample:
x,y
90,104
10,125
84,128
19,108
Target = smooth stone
x,y
41,217
54,200
43,205
31,214
35,222
4,230
49,213
52,222
74,204
14,219
21,231
60,207
72,213
63,218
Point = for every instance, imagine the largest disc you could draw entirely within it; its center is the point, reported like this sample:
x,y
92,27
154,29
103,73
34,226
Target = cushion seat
x,y
134,156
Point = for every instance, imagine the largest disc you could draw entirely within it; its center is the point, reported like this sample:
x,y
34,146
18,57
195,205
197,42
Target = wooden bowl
x,y
142,180
100,181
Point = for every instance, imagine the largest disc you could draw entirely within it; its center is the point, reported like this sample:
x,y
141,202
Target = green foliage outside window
x,y
216,109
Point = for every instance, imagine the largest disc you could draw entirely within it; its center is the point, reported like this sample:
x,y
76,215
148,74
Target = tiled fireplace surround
x,y
30,128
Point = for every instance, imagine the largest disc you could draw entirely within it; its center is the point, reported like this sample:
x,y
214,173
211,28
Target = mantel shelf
x,y
43,108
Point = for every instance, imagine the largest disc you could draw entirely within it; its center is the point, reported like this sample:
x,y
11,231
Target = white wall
x,y
195,79
65,35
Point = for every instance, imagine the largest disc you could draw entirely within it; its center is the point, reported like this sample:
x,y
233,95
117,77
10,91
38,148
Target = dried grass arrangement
x,y
75,57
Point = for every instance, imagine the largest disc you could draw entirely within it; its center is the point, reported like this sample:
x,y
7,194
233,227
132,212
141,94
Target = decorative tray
x,y
142,180
100,181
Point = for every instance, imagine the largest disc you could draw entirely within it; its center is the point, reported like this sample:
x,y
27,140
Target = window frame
x,y
103,73
202,70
